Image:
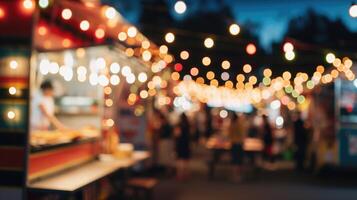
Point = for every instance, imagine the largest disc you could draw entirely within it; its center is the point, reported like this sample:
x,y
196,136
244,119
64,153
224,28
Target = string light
x,y
114,68
122,36
206,61
169,37
28,5
66,14
226,64
132,31
11,115
180,7
247,68
330,57
194,71
184,55
43,3
209,43
288,47
110,13
99,33
84,25
251,49
13,64
142,77
234,29
289,55
12,90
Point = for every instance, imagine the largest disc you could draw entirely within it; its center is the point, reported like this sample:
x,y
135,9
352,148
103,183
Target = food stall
x,y
67,79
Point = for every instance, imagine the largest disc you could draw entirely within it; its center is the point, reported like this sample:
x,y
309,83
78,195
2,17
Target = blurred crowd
x,y
251,139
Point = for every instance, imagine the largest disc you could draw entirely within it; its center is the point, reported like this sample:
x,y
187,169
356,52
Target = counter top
x,y
79,177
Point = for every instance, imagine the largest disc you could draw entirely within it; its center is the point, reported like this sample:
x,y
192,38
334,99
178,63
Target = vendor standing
x,y
43,109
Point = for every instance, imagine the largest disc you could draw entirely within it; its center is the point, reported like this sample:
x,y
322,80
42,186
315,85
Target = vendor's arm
x,y
53,119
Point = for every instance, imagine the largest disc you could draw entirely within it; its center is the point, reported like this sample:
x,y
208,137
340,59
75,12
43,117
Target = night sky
x,y
271,15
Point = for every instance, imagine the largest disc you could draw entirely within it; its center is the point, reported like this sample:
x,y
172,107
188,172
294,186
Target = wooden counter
x,y
79,177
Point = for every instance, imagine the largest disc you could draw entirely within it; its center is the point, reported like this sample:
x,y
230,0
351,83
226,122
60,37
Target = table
x,y
219,146
75,179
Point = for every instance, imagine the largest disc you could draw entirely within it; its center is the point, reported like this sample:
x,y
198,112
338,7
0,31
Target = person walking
x,y
183,152
238,130
300,141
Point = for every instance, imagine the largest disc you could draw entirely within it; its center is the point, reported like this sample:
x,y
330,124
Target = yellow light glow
x,y
145,44
267,72
84,25
169,37
206,61
194,71
240,78
234,29
13,64
175,76
214,82
337,62
99,33
226,64
132,31
320,69
144,94
108,102
251,49
66,14
180,7
110,13
286,75
290,55
12,90
146,55
330,57
288,47
184,55
210,75
253,80
122,36
209,43
129,52
11,114
247,68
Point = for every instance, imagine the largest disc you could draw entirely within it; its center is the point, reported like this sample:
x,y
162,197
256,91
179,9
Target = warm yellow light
x,y
320,69
145,44
110,13
114,80
290,55
142,77
214,82
146,55
286,75
107,90
175,76
28,4
226,64
84,25
132,31
129,52
180,7
122,36
251,49
247,68
108,102
267,72
13,64
209,43
144,94
210,75
194,71
353,11
66,14
234,29
11,114
206,61
169,37
99,33
228,84
330,57
240,77
184,55
42,30
337,62
200,80
2,13
253,80
12,90
288,47
163,49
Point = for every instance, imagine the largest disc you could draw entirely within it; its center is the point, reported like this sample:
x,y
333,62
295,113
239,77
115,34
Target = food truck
x,y
63,67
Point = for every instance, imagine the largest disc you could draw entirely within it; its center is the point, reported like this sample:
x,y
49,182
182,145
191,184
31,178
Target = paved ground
x,y
279,185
